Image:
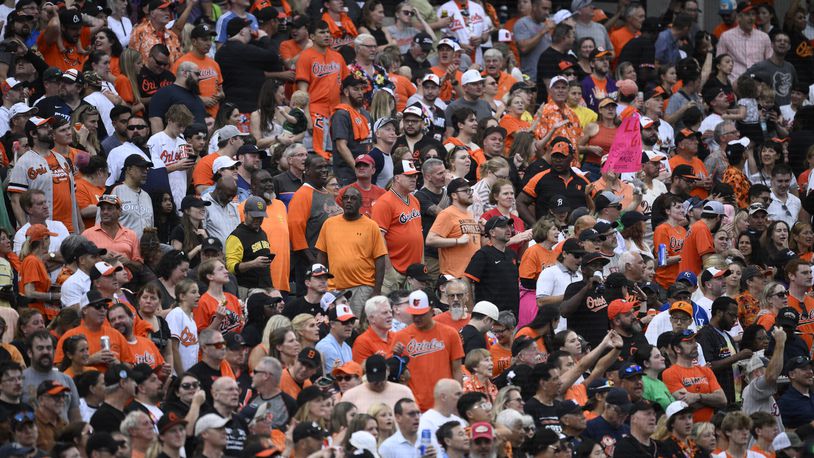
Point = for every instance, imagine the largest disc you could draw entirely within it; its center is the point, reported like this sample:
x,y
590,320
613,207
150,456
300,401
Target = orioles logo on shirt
x,y
34,172
690,381
405,218
187,338
416,348
146,358
320,70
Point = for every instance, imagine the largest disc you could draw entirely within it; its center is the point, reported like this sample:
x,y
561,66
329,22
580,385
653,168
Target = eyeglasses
x,y
138,127
198,74
781,294
344,378
218,345
465,191
191,385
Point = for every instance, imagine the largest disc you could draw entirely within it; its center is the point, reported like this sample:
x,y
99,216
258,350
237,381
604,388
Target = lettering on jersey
x,y
319,69
416,348
595,304
257,246
146,358
406,217
207,73
690,381
676,244
469,226
34,172
458,24
188,338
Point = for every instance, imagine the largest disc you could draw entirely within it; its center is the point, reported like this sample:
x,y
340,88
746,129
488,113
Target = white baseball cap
x,y
223,162
20,108
486,308
449,42
556,80
418,303
209,421
675,408
432,77
561,15
471,76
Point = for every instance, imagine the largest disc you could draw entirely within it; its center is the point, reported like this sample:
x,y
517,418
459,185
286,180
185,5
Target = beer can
x,y
662,255
105,342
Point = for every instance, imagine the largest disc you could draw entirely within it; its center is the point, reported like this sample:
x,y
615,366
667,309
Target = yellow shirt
x,y
585,115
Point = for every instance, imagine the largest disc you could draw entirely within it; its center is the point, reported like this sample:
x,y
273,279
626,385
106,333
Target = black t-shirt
x,y
207,376
630,345
472,338
149,83
243,67
668,448
590,319
544,416
177,233
107,418
495,275
630,447
518,375
715,348
299,305
237,431
640,51
427,199
55,106
549,64
175,94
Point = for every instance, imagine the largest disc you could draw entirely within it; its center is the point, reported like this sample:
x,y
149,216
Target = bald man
x,y
225,402
446,394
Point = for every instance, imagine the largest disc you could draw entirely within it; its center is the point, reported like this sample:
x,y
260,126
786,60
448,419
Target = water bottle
x,y
662,255
503,14
426,441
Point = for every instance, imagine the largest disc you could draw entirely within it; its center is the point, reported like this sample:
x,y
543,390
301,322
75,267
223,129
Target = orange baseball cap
x,y
38,232
619,307
350,368
682,306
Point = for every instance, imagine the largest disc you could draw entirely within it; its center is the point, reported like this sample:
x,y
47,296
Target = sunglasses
x,y
781,294
99,305
22,417
190,386
633,369
139,127
344,378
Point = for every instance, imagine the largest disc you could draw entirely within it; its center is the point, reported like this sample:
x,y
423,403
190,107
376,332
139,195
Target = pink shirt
x,y
125,242
745,49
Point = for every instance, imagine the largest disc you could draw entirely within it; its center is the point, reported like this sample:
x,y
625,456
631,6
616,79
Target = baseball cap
x,y
561,15
682,336
310,393
603,226
251,149
657,91
103,269
627,87
629,370
73,76
589,234
234,341
797,362
431,77
675,408
381,122
318,270
52,74
561,145
606,101
497,221
102,440
787,317
235,25
141,372
424,40
565,65
482,430
684,171
632,217
557,79
341,312
418,271
456,184
786,440
744,7
203,30
111,199
330,297
92,78
688,277
520,344
619,307
51,388
11,83
404,167
486,308
681,306
606,199
86,247
491,130
352,80
646,122
685,133
211,243
310,357
599,385
652,156
168,420
599,53
37,232
266,14
135,160
751,272
588,258
419,303
619,398
229,131
193,201
449,42
255,207
364,159
713,272
223,162
572,246
209,421
308,429
95,297
70,18
642,405
116,374
714,207
567,407
35,122
579,4
558,203
471,76
710,92
349,368
414,110
757,207
376,368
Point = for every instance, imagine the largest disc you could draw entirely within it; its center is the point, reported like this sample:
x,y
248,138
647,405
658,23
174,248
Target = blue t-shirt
x,y
604,434
175,94
223,21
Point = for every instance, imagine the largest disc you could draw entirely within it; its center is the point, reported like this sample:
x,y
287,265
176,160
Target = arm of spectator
x,y
178,27
344,152
322,258
436,241
156,124
380,264
52,28
176,356
776,362
525,207
457,372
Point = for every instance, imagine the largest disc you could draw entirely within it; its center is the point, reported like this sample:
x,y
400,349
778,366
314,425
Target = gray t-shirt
x,y
137,209
525,28
595,31
403,37
480,107
33,378
782,78
758,396
678,100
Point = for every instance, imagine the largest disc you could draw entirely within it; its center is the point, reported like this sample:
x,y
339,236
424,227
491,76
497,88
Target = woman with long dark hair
x,y
171,269
165,215
266,121
75,359
185,399
191,233
106,42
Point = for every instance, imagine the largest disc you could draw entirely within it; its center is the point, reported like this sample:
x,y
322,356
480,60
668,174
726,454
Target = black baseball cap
x,y
193,201
376,368
141,372
456,184
684,171
558,203
311,393
86,247
572,246
310,356
424,40
234,341
308,429
588,235
632,217
520,344
497,221
235,25
787,317
568,407
352,80
135,160
102,440
211,243
419,272
603,226
267,14
619,398
588,258
797,362
203,30
117,373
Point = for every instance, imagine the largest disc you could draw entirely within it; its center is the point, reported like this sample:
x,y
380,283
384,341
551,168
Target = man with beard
x,y
598,84
622,319
138,133
137,207
110,235
13,93
459,303
642,425
184,91
211,82
654,109
562,41
154,74
249,159
316,284
690,382
168,147
41,168
415,119
243,64
746,44
350,129
432,111
148,391
416,55
698,245
63,41
41,352
20,22
225,402
798,272
119,115
718,346
310,206
584,304
455,232
493,268
357,262
144,350
248,253
365,168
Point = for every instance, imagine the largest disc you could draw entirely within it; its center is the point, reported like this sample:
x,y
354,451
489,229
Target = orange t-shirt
x,y
534,260
324,74
620,37
699,169
289,386
446,93
404,90
202,173
275,225
352,248
454,223
34,271
401,223
146,352
86,195
673,238
63,206
578,393
205,313
211,78
446,318
289,49
368,197
118,344
69,56
501,358
369,343
697,243
806,311
696,379
512,124
432,354
766,320
532,334
124,88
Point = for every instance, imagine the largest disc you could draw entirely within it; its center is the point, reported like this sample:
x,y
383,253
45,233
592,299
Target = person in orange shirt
x,y
671,234
210,82
89,187
687,141
63,39
435,350
459,303
377,339
455,232
35,283
634,19
120,318
230,139
501,351
320,71
93,327
217,309
799,272
493,65
698,244
541,329
291,50
298,376
447,70
696,385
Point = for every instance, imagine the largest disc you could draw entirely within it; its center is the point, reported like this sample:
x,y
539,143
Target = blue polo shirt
x,y
796,409
332,351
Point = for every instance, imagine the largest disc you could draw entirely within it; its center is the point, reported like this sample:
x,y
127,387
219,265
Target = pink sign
x,y
626,151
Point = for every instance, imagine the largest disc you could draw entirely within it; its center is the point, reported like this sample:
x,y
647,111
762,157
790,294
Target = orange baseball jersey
x,y
146,352
697,243
401,223
34,272
205,313
324,74
63,56
673,238
86,195
534,260
700,171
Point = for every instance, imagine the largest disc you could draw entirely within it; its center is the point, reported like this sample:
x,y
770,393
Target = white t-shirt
x,y
166,150
432,420
462,29
104,106
75,289
115,160
709,123
53,226
183,328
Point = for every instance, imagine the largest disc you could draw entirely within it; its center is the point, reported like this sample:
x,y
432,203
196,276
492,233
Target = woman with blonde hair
x,y
306,328
126,84
773,298
315,405
496,168
384,419
479,364
383,104
704,435
508,398
87,137
261,351
490,88
181,318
